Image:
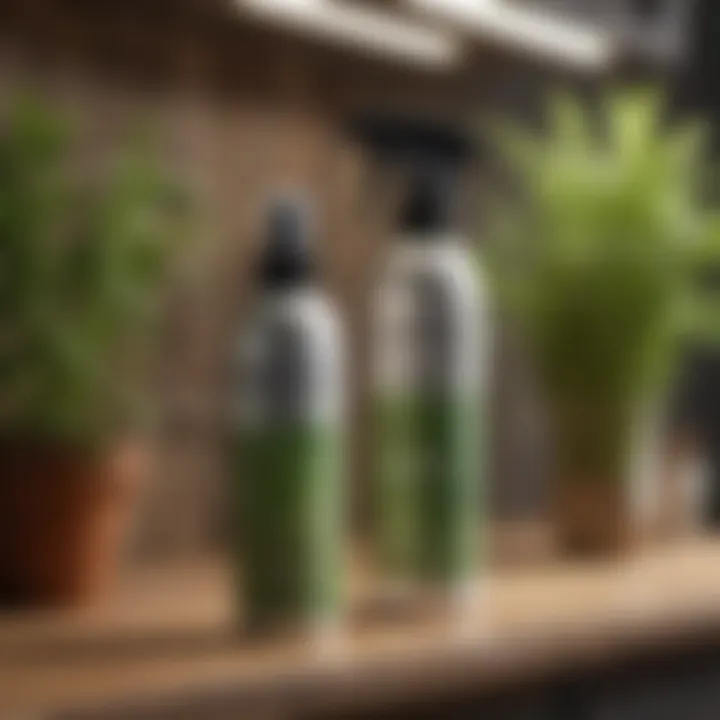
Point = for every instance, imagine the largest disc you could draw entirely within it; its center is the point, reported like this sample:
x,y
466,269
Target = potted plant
x,y
596,261
82,264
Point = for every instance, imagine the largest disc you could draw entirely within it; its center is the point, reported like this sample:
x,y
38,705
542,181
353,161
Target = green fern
x,y
81,268
598,261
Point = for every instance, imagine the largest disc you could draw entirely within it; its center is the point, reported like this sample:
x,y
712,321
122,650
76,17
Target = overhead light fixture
x,y
531,30
384,34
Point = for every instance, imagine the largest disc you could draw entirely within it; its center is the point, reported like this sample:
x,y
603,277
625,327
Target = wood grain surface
x,y
169,637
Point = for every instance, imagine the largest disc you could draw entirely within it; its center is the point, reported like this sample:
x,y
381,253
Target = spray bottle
x,y
431,343
287,437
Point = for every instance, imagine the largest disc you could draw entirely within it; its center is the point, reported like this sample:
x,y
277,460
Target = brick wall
x,y
239,113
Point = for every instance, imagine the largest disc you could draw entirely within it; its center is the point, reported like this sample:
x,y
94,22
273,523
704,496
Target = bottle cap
x,y
427,207
287,257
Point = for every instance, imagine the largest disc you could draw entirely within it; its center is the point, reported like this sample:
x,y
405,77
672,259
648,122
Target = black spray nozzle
x,y
405,139
287,256
427,203
432,154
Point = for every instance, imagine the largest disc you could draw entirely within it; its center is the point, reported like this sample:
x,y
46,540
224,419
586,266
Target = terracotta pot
x,y
593,518
684,485
63,515
605,491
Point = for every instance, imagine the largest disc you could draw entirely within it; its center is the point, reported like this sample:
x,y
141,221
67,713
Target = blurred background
x,y
243,98
250,97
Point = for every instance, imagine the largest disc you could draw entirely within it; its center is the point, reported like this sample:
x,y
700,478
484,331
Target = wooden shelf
x,y
168,640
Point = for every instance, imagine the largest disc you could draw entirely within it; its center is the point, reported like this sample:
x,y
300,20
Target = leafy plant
x,y
82,265
598,260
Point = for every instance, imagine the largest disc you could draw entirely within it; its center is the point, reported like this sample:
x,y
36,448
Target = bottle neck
x,y
441,238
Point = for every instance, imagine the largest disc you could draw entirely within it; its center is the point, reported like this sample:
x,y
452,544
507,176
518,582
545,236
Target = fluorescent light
x,y
529,29
381,33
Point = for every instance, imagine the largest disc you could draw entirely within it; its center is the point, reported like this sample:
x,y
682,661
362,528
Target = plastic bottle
x,y
431,345
287,439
